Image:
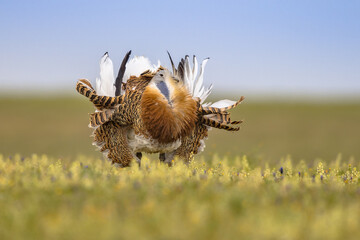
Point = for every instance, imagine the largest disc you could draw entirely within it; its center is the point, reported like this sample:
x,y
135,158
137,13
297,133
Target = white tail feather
x,y
138,65
195,67
223,103
105,84
193,81
200,79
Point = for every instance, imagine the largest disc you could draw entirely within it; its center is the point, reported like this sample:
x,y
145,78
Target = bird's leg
x,y
138,158
162,157
167,157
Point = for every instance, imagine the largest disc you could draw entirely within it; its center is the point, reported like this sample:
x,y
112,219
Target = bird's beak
x,y
164,90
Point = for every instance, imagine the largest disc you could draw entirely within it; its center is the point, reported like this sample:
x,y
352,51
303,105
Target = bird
x,y
148,108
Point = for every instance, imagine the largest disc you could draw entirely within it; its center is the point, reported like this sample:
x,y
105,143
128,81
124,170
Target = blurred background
x,y
296,62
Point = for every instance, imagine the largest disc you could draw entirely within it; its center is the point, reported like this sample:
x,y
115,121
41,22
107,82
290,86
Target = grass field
x,y
47,198
291,172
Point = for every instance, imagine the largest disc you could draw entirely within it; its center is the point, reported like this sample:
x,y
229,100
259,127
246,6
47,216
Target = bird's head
x,y
165,86
168,110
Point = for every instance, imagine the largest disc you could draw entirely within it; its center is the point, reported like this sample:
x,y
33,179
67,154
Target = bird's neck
x,y
168,122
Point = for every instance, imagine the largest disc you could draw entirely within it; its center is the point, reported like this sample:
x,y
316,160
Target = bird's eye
x,y
161,75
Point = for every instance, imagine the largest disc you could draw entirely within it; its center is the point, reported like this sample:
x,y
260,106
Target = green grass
x,y
73,193
84,198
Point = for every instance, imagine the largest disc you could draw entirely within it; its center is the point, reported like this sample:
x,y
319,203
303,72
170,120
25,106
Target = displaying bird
x,y
149,109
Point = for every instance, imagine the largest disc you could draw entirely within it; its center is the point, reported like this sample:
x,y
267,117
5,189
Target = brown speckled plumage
x,y
174,120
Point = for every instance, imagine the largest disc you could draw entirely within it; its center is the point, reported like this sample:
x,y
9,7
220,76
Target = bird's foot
x,y
167,157
138,158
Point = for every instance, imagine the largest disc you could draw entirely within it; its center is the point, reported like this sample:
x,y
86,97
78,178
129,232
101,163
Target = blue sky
x,y
254,46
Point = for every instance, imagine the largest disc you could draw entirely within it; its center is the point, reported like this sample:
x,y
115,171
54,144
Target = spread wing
x,y
110,107
114,112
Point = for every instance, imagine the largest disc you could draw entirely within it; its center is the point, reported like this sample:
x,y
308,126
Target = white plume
x,y
135,66
105,84
223,103
138,65
193,81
